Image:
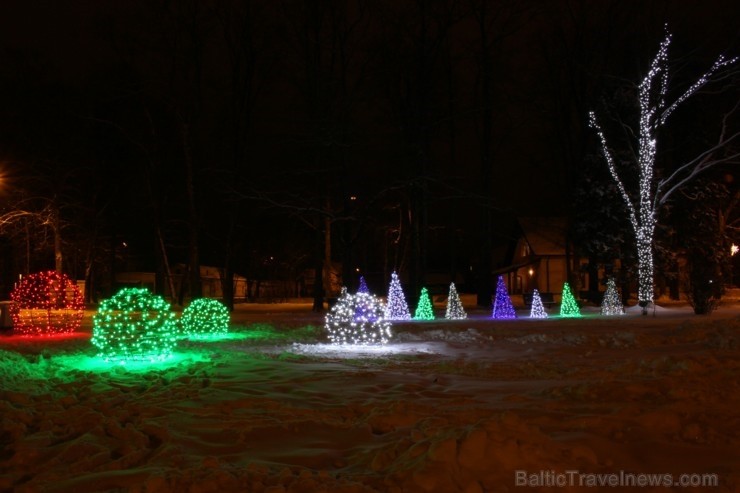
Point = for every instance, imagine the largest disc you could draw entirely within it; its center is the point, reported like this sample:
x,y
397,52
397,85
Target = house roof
x,y
545,235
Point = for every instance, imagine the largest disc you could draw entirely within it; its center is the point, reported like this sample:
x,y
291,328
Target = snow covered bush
x,y
357,319
136,325
205,317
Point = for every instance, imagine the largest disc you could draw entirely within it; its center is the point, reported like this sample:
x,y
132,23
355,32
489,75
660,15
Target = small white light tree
x,y
643,205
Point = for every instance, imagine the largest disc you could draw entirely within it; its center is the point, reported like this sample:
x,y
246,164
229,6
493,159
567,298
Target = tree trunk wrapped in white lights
x,y
643,205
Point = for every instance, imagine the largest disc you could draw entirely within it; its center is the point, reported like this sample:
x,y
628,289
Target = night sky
x,y
241,126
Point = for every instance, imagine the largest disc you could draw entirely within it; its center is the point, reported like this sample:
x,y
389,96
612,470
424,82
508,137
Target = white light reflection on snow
x,y
351,351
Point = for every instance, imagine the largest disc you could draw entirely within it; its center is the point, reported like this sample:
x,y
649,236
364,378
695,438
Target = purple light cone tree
x,y
502,305
363,286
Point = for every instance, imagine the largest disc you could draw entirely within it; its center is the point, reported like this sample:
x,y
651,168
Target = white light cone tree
x,y
644,203
455,309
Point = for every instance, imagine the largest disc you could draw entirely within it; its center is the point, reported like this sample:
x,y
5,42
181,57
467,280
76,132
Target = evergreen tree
x,y
568,305
538,309
455,310
502,306
424,310
396,307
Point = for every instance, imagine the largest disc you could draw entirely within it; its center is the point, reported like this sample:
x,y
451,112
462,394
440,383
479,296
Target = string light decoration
x,y
568,305
46,303
424,310
344,327
396,307
503,308
455,309
205,318
612,302
134,325
538,309
363,286
654,112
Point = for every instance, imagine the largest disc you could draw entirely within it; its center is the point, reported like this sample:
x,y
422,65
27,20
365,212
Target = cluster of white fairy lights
x,y
357,319
611,304
455,309
396,306
653,115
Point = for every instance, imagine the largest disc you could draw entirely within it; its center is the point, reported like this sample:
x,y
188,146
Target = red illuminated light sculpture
x,y
46,303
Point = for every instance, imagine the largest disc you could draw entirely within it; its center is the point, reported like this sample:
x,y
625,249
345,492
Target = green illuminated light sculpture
x,y
424,309
205,318
134,325
568,305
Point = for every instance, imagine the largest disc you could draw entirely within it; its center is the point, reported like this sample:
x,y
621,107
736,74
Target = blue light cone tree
x,y
455,309
612,302
424,310
396,307
205,318
345,327
568,305
503,308
134,325
538,309
363,286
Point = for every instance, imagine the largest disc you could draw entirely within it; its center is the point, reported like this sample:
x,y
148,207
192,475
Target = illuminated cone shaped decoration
x,y
134,325
363,286
502,306
343,327
424,310
396,307
46,303
568,305
538,309
205,318
612,303
455,310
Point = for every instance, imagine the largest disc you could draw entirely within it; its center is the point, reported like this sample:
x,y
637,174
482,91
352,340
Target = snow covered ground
x,y
447,406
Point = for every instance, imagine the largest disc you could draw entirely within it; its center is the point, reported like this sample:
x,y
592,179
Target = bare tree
x,y
644,203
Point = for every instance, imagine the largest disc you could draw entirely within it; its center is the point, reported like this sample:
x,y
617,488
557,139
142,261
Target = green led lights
x,y
424,310
134,325
205,318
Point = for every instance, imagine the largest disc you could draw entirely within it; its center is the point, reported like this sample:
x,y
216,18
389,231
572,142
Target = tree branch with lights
x,y
643,205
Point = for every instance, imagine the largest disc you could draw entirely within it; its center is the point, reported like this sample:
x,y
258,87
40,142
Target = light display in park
x,y
503,308
396,307
644,203
455,309
424,310
46,303
345,327
612,303
538,309
568,305
134,325
205,318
